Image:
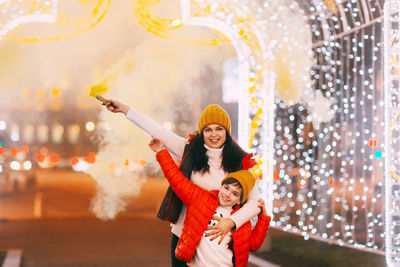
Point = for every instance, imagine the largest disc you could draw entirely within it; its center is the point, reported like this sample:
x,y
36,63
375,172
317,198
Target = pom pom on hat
x,y
214,114
245,179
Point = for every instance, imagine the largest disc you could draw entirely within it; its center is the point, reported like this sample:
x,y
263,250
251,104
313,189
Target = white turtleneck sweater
x,y
210,180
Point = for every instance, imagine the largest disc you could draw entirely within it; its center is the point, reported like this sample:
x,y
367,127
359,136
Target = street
x,y
52,225
88,242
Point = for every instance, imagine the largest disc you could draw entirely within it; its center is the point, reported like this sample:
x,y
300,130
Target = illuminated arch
x,y
233,23
256,100
23,12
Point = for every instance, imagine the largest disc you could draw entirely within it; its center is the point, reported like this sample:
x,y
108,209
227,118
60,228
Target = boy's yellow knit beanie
x,y
245,179
214,114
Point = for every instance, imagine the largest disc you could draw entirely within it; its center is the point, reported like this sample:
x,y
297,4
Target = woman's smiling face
x,y
214,135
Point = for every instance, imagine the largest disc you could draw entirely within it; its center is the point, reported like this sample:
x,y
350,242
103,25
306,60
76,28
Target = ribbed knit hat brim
x,y
214,114
246,180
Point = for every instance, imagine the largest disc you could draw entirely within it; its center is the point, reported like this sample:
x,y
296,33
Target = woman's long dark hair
x,y
232,154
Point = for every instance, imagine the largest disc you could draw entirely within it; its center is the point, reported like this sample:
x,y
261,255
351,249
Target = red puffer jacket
x,y
201,205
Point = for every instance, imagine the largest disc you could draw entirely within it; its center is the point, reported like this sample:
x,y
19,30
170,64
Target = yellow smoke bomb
x,y
98,89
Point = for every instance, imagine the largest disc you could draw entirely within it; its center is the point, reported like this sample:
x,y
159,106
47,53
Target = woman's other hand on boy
x,y
116,106
156,145
223,227
261,205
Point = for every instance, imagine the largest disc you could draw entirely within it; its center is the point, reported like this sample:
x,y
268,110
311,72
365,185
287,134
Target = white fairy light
x,y
16,13
344,156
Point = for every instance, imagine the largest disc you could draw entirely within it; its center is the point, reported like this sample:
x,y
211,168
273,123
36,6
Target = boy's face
x,y
229,195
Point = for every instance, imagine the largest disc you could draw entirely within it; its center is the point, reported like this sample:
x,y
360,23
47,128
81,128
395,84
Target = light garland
x,y
47,11
330,185
166,28
16,13
256,103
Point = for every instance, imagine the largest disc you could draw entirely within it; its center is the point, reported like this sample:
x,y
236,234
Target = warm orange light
x,y
295,172
55,91
372,142
14,151
54,158
74,161
1,150
91,158
25,149
126,162
142,162
330,180
40,158
276,176
301,183
40,93
113,165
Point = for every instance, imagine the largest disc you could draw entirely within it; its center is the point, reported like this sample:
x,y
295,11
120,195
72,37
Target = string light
x,y
166,28
23,12
342,198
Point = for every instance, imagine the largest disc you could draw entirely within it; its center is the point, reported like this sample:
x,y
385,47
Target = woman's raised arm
x,y
173,142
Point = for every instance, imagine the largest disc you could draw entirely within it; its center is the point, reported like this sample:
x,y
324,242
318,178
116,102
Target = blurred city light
x,y
90,126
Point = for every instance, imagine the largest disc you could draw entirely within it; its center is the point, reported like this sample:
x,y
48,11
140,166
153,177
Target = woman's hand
x,y
261,205
223,227
116,106
156,145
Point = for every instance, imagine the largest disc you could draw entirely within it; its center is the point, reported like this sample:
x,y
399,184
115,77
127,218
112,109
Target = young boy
x,y
203,206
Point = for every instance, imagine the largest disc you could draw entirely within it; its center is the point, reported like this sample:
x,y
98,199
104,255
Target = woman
x,y
209,156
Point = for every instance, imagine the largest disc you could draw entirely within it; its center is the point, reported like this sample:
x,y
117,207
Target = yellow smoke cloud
x,y
98,89
146,78
123,65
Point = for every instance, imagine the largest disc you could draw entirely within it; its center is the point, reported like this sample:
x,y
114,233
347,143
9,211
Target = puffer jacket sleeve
x,y
181,185
259,232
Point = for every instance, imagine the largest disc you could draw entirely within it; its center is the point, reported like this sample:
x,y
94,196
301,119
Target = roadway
x,y
52,225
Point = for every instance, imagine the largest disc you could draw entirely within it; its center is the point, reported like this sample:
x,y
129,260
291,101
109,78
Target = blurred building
x,y
48,127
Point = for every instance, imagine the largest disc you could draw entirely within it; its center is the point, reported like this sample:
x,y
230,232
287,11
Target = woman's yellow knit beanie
x,y
245,179
214,114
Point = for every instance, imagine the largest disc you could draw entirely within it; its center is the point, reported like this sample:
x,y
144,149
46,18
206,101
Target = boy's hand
x,y
261,205
156,145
